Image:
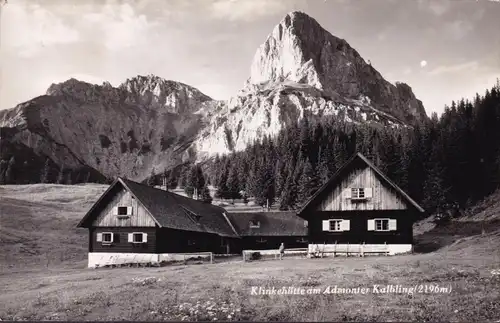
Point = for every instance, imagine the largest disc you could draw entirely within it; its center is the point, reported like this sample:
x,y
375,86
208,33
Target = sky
x,y
444,50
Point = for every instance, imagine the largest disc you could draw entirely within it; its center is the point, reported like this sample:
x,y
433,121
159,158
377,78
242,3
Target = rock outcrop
x,y
147,123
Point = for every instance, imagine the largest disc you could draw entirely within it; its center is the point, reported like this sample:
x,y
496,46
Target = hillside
x,y
148,123
43,275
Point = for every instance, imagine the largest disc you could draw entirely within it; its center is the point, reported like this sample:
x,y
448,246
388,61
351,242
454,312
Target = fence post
x,y
211,258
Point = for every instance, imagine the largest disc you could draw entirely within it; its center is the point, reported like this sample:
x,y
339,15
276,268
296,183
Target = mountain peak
x,y
301,51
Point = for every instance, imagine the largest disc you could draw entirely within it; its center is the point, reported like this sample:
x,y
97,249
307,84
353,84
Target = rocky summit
x,y
148,123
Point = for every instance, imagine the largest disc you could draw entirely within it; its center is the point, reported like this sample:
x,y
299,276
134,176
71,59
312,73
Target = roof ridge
x,y
372,166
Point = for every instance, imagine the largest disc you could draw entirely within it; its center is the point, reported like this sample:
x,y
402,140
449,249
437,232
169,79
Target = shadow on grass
x,y
446,234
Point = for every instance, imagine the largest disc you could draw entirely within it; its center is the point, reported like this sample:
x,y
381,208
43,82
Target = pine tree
x,y
152,178
171,179
45,172
308,182
233,185
288,197
195,181
60,176
87,178
3,169
265,192
280,177
205,195
10,173
183,176
69,178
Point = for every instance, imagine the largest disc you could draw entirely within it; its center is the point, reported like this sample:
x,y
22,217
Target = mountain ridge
x,y
148,123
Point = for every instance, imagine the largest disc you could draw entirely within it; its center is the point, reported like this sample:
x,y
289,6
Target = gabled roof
x,y
338,176
169,210
271,224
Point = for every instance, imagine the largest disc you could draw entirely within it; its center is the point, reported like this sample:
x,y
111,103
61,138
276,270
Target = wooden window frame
x,y
107,242
337,228
126,215
358,194
135,234
382,219
132,235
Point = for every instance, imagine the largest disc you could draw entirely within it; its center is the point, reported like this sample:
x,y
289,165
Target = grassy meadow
x,y
43,274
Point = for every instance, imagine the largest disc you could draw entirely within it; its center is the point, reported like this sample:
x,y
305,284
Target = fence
x,y
275,252
317,250
185,256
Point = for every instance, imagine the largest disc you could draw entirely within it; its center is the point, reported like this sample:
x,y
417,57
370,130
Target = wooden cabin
x,y
267,230
136,223
361,209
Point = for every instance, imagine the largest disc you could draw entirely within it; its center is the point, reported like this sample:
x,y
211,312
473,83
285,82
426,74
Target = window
x,y
358,193
335,225
105,237
137,237
123,211
254,224
381,224
191,242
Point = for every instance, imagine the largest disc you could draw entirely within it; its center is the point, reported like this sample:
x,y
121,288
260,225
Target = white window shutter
x,y
345,225
392,225
144,237
115,210
371,225
368,192
99,237
130,237
326,225
129,210
347,193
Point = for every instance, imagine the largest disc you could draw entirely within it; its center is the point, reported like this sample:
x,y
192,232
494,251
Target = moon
x,y
423,63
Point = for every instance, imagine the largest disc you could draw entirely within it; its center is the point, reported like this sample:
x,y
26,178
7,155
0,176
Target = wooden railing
x,y
275,252
200,254
347,249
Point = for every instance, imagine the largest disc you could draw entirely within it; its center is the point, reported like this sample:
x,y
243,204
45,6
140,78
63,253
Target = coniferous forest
x,y
447,162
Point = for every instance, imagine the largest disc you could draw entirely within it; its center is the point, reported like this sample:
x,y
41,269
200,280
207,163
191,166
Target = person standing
x,y
282,250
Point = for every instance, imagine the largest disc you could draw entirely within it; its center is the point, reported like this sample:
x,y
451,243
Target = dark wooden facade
x,y
382,199
161,240
358,232
173,224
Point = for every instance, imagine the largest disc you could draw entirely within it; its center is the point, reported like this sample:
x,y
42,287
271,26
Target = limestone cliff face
x,y
300,50
148,123
144,123
302,68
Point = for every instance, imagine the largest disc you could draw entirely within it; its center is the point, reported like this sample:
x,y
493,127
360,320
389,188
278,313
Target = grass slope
x,y
43,275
